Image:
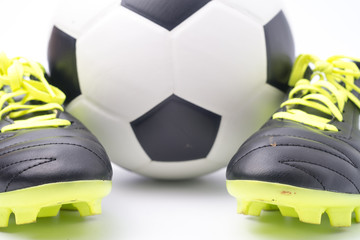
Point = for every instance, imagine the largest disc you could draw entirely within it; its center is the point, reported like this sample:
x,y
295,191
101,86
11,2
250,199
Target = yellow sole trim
x,y
306,204
46,200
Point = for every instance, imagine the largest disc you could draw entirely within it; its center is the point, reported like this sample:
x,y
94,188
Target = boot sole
x,y
46,200
306,204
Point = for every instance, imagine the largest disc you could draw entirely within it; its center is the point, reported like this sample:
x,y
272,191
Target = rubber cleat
x,y
340,217
4,216
95,206
51,211
288,212
310,214
357,214
306,158
243,206
256,208
25,214
48,158
83,208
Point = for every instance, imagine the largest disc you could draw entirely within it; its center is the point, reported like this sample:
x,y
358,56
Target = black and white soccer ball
x,y
171,87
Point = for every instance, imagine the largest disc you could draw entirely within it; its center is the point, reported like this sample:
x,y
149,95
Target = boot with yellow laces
x,y
48,159
305,160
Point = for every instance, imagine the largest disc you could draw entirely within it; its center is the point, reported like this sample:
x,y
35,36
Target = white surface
x,y
127,65
139,208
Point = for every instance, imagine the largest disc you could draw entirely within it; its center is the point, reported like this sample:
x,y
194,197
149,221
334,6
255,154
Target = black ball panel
x,y
166,13
176,130
62,63
280,51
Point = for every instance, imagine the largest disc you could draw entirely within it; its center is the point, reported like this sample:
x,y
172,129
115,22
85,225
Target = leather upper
x,y
296,154
32,157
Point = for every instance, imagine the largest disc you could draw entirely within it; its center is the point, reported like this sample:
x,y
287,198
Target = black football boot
x,y
305,160
48,159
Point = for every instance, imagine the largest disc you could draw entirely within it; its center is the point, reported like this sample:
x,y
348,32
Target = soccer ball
x,y
171,87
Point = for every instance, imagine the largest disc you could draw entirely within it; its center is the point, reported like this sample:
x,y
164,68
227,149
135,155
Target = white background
x,y
139,208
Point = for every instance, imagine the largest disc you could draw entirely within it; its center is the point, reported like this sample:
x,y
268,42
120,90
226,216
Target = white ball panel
x,y
114,133
132,64
237,125
75,17
178,170
260,10
212,69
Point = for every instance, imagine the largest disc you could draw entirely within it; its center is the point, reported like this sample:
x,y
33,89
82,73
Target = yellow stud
x,y
243,206
287,211
256,208
83,208
25,214
340,216
310,214
50,211
95,206
4,216
357,214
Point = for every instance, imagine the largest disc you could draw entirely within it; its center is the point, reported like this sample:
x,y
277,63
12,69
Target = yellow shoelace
x,y
331,85
24,90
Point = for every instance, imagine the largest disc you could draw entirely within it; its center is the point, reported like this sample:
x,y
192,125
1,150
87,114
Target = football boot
x,y
305,160
48,159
